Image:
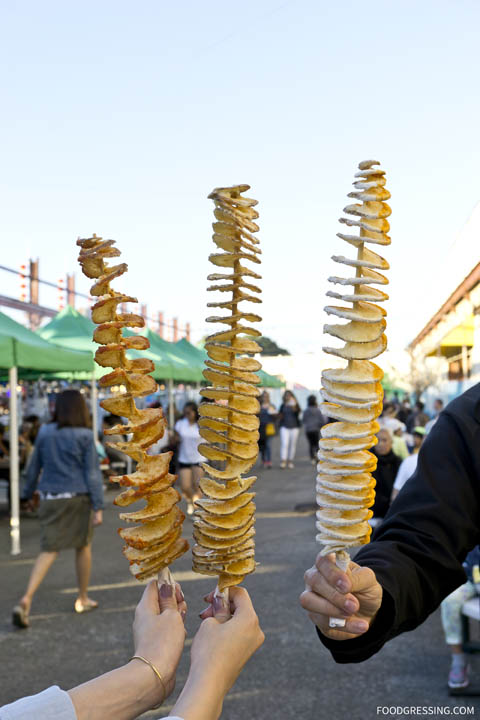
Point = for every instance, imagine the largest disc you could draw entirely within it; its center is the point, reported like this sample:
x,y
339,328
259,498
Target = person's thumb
x,y
166,597
363,579
221,607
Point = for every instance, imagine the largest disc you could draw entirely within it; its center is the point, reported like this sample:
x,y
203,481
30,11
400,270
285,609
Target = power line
x,y
57,286
43,282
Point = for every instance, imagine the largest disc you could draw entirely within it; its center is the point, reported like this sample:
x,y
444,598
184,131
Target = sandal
x,y
81,607
20,616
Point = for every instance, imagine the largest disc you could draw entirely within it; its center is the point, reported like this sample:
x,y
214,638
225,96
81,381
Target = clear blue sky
x,y
120,117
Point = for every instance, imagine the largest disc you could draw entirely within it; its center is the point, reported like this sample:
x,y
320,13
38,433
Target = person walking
x,y
64,472
313,421
289,421
266,429
187,435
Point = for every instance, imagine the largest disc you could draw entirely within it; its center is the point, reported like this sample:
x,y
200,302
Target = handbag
x,y
270,429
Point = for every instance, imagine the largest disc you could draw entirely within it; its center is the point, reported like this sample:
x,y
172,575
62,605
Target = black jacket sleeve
x,y
418,551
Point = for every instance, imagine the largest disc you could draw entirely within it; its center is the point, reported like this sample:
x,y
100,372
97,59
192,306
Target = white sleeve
x,y
51,704
402,475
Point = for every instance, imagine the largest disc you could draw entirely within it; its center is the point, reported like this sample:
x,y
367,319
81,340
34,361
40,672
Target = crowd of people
x,y
62,480
286,422
424,530
402,432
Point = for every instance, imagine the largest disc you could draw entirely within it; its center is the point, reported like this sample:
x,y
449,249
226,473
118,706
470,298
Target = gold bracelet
x,y
157,673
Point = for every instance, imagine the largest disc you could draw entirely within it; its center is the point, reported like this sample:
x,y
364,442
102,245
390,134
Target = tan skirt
x,y
66,523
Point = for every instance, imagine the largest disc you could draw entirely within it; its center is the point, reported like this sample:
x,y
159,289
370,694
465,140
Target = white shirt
x,y
406,470
157,447
189,442
51,704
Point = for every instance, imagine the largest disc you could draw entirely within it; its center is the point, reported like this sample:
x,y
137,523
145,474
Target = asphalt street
x,y
291,677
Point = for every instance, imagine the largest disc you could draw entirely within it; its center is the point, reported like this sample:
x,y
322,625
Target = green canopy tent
x,y
186,369
180,369
191,352
71,329
27,351
21,352
270,381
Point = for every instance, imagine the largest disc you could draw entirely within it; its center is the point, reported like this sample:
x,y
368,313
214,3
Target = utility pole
x,y
71,289
34,318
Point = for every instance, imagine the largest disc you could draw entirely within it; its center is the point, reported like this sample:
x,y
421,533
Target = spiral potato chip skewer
x,y
156,542
224,517
353,395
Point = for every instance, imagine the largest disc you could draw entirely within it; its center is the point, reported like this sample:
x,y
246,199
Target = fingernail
x,y
182,595
342,585
218,604
200,615
183,614
350,606
166,591
360,626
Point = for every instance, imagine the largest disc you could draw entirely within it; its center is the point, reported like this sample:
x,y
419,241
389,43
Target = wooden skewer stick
x,y
225,596
342,561
165,577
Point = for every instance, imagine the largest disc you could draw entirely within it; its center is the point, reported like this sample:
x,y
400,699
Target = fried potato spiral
x,y
224,517
353,395
156,542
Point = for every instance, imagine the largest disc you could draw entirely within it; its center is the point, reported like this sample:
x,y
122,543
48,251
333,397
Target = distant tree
x,y
423,375
270,347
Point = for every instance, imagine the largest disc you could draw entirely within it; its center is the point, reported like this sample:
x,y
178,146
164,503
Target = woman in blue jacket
x,y
64,471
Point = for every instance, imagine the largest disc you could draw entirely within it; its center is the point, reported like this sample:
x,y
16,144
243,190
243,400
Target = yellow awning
x,y
460,336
